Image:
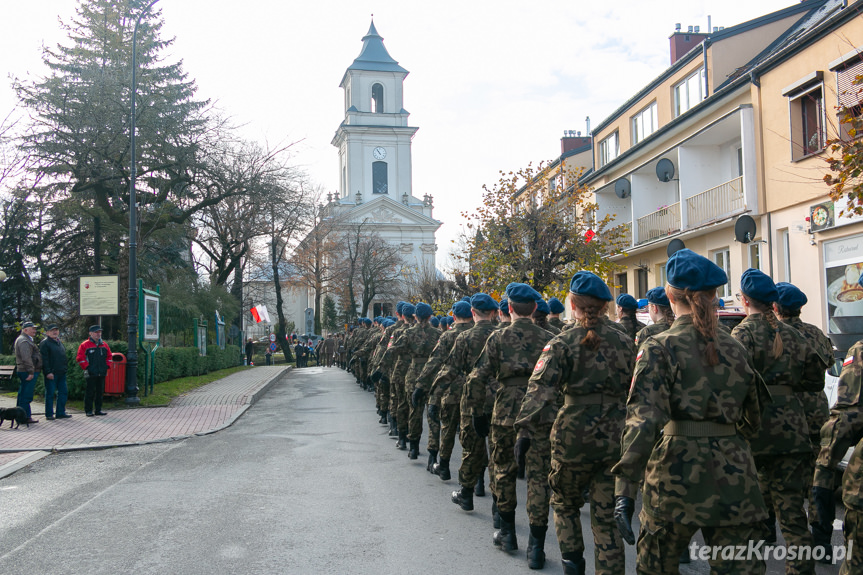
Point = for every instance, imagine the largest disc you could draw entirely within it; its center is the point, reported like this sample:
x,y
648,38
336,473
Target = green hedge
x,y
171,363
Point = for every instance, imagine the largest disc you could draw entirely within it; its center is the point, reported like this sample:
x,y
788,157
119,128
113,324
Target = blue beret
x,y
424,310
435,322
466,298
790,295
448,320
408,309
555,306
461,309
542,306
758,285
367,321
521,293
688,270
719,302
626,301
657,296
399,306
504,306
588,283
483,302
642,303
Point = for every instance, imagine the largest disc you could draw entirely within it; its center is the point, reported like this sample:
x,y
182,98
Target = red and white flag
x,y
259,312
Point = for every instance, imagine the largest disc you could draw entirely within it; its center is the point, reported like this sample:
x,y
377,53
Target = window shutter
x,y
849,93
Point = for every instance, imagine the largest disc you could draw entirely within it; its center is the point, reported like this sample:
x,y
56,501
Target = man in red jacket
x,y
94,357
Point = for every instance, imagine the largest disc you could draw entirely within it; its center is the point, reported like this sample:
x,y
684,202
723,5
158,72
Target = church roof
x,y
374,55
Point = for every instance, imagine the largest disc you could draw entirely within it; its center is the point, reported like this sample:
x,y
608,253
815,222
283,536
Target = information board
x,y
98,295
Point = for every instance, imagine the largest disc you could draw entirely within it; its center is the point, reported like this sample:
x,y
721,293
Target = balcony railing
x,y
660,223
715,203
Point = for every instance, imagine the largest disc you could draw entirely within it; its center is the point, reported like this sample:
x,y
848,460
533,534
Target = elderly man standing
x,y
94,357
28,363
54,357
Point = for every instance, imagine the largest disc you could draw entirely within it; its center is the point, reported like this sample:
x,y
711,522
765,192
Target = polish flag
x,y
259,312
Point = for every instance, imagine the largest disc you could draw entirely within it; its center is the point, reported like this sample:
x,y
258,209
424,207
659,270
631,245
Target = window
x,y
644,123
755,254
807,123
739,161
721,258
850,105
379,178
689,92
785,254
609,148
641,281
378,99
663,278
620,279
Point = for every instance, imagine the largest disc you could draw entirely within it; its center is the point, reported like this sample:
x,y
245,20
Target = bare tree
x,y
379,270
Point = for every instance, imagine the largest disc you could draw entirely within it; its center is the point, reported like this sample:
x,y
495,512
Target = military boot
x,y
822,539
442,469
536,547
495,514
402,442
479,488
463,498
573,566
770,528
383,420
505,536
394,428
432,460
415,449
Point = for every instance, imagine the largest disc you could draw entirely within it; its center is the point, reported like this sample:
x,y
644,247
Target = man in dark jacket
x,y
94,357
250,351
54,368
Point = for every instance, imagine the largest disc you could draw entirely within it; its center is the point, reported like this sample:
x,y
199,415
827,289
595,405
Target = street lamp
x,y
132,322
2,279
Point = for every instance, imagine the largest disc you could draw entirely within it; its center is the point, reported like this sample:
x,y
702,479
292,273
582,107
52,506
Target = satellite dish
x,y
744,229
664,170
622,188
674,246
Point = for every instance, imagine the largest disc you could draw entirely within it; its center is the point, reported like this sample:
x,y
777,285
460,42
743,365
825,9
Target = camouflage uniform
x,y
465,351
449,412
585,437
782,449
505,365
700,472
843,429
652,329
556,322
382,390
630,326
396,369
415,345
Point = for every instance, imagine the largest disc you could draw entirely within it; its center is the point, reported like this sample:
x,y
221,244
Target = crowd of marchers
x,y
726,431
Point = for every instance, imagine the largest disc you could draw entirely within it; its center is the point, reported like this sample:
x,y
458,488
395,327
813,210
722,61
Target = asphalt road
x,y
305,482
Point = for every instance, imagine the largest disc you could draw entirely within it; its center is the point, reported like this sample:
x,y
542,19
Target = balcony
x,y
716,203
663,222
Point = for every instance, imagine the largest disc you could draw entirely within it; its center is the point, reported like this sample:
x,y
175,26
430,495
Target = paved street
x,y
305,481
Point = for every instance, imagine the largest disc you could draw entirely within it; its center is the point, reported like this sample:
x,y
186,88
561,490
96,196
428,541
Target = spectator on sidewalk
x,y
28,364
250,351
300,352
55,366
94,357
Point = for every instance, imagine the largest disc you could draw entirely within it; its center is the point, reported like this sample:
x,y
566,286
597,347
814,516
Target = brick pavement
x,y
205,410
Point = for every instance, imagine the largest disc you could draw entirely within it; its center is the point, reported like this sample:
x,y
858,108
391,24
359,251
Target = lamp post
x,y
132,322
2,331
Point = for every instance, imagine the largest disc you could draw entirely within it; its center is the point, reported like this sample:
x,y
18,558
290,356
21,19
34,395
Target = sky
x,y
492,85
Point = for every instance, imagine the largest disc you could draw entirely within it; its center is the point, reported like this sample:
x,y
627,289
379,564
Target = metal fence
x,y
715,203
664,221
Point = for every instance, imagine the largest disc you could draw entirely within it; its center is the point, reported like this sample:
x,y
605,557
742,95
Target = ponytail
x,y
667,312
703,317
592,309
767,310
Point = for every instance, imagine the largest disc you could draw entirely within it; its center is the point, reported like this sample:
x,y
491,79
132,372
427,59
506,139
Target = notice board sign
x,y
99,295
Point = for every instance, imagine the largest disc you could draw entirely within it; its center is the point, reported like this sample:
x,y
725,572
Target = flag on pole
x,y
259,313
255,314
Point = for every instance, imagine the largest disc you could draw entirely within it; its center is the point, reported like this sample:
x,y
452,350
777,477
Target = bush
x,y
171,363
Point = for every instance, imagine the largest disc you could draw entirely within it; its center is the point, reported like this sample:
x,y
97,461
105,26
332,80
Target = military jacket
x,y
465,351
556,322
815,403
502,371
548,327
852,480
707,481
414,346
392,363
383,342
581,433
844,428
435,362
652,329
784,429
631,327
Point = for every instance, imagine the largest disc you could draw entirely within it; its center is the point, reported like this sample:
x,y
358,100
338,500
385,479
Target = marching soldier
x,y
660,313
397,367
626,308
556,308
540,316
503,314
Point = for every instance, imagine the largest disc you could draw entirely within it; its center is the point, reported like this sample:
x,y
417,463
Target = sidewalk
x,y
205,410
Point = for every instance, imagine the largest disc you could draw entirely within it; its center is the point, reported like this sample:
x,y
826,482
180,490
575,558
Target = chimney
x,y
572,140
683,42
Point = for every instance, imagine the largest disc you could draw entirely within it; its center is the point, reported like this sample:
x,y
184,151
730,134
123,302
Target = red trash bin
x,y
115,381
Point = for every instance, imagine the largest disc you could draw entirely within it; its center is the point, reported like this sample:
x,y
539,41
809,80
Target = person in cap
x,y
659,310
626,308
789,367
395,365
496,386
54,370
578,388
540,316
28,364
555,309
504,318
94,358
444,406
465,351
694,400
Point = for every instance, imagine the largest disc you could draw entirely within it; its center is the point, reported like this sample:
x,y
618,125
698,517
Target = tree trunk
x,y
280,328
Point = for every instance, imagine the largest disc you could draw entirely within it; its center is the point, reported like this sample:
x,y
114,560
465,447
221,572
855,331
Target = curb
x,y
46,450
21,462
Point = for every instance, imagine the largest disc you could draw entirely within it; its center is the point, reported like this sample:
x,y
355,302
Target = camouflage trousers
x,y
537,467
403,409
415,416
661,543
784,478
474,456
853,531
395,397
568,481
502,440
434,430
382,394
449,424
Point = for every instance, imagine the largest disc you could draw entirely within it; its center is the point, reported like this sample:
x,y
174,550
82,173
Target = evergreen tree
x,y
330,315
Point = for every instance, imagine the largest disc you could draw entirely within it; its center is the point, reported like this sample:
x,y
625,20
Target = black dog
x,y
14,414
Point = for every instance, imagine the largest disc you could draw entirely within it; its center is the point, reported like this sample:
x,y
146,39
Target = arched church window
x,y
378,99
379,178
